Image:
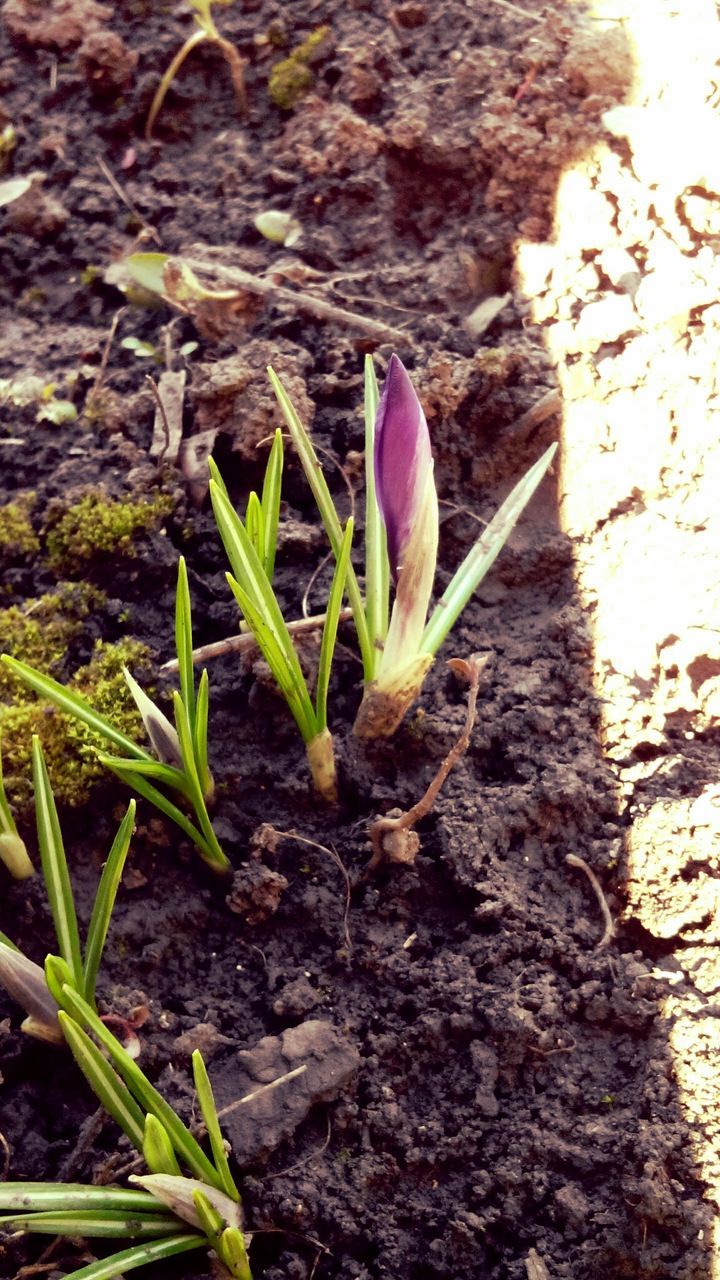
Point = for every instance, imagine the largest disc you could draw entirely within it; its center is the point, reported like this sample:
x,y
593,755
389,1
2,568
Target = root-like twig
x,y
573,860
392,838
335,857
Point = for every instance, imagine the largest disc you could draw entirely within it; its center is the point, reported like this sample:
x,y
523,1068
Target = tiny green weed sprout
x,y
24,980
157,1217
12,847
205,31
180,763
250,548
398,647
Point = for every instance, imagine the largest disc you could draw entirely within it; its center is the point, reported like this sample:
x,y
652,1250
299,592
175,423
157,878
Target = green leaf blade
x,y
140,1255
271,493
183,640
330,629
105,902
72,704
25,1197
323,498
144,1093
282,660
112,1093
200,736
482,556
55,868
94,1224
208,1108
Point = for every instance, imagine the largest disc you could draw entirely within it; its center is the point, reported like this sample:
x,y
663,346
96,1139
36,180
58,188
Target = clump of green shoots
x,y
205,31
250,547
398,647
188,1200
24,980
180,763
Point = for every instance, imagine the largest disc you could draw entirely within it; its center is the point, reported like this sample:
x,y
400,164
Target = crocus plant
x,y
250,548
22,978
180,761
187,1200
401,539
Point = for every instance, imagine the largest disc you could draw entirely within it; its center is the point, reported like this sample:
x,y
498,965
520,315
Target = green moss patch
x,y
70,747
98,527
17,535
292,78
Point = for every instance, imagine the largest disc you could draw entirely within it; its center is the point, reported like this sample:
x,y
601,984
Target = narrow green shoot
x,y
181,769
55,869
25,981
377,575
97,1224
105,902
203,1088
12,847
206,31
145,1094
139,1255
482,556
157,1216
183,641
253,591
49,1197
117,1100
270,504
331,520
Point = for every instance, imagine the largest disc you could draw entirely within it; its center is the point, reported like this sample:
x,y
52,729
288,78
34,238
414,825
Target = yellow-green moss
x,y
17,536
292,78
98,526
40,632
69,746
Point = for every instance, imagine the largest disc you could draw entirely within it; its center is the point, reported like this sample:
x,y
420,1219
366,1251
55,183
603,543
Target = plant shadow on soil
x,y
515,1091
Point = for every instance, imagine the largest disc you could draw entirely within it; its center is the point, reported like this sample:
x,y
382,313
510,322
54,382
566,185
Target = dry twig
x,y
319,308
245,640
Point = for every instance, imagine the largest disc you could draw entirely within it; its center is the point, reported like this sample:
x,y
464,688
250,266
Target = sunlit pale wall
x,y
627,296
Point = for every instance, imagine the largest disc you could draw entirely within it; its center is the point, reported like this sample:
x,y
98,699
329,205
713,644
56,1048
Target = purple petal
x,y
402,459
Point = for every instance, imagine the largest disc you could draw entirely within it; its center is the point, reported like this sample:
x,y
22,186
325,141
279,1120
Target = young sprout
x,y
12,848
180,763
205,30
401,524
24,980
250,548
158,1217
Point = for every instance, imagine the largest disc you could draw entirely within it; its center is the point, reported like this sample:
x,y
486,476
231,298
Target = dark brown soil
x,y
504,1104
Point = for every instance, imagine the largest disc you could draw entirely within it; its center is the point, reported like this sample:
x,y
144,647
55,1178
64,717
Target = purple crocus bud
x,y
403,460
407,499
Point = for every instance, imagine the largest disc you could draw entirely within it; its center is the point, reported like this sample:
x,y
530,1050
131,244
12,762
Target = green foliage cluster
x,y
98,526
70,747
17,536
292,78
